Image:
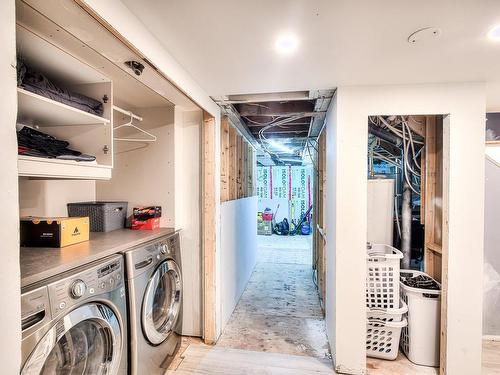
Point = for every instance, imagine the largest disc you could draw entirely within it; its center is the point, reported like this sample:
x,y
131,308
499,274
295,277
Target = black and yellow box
x,y
53,231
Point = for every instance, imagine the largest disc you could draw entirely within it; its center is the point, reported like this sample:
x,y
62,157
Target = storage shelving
x,y
42,111
29,166
86,132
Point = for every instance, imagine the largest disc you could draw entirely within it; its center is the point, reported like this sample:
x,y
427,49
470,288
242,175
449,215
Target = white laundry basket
x,y
420,339
382,276
388,315
382,338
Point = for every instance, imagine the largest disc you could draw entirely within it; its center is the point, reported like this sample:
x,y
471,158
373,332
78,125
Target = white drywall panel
x,y
10,289
347,207
491,303
143,173
346,215
188,214
380,221
50,197
238,251
127,24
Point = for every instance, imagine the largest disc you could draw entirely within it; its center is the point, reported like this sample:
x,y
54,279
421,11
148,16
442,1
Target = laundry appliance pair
x,y
118,315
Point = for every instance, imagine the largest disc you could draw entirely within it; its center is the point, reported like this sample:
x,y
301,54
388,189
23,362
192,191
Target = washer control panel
x,y
89,282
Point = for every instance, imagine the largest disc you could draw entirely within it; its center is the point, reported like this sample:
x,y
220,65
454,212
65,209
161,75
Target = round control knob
x,y
164,248
78,289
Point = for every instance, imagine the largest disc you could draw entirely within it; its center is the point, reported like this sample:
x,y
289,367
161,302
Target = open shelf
x,y
29,166
41,111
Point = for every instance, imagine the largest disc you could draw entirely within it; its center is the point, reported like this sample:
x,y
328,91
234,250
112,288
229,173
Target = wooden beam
x,y
275,108
224,162
208,229
239,172
233,164
244,171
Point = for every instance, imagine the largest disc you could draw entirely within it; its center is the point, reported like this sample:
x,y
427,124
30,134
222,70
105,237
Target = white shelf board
x,y
38,110
29,166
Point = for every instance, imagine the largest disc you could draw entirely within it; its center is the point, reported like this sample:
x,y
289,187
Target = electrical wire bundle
x,y
411,148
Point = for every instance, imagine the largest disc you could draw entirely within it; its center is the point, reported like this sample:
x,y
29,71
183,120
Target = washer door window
x,y
88,340
162,302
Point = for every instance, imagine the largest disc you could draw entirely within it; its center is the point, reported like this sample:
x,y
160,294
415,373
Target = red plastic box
x,y
149,224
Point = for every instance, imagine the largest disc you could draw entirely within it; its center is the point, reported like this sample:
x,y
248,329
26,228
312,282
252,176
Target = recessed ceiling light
x,y
286,43
494,34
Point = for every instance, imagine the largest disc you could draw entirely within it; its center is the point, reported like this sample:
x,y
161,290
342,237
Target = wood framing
x,y
433,197
224,160
319,212
435,188
237,164
209,229
233,164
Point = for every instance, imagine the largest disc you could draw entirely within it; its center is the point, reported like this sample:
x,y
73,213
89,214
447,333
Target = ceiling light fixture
x,y
286,43
278,146
494,34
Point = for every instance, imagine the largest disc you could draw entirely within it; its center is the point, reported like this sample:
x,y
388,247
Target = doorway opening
x,y
276,306
406,243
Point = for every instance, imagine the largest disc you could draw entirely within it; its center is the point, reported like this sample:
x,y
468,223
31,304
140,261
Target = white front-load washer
x,y
76,322
154,283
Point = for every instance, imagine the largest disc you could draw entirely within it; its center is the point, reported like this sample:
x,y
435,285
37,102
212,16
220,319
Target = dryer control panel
x,y
90,282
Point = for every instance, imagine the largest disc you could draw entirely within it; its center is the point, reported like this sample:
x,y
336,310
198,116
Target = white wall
x,y
238,251
187,145
491,303
347,210
143,173
10,289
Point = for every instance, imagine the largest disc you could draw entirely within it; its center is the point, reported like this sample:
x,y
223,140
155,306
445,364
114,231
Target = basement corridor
x,y
279,311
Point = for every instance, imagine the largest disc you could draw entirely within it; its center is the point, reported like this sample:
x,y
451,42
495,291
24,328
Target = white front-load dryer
x,y
76,323
154,282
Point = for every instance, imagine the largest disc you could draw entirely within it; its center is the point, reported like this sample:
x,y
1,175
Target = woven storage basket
x,y
104,216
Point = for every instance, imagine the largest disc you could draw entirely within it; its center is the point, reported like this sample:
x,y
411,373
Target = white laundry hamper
x,y
382,338
382,276
388,315
420,339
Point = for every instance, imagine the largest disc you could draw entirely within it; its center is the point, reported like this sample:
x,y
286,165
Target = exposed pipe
x,y
406,226
385,135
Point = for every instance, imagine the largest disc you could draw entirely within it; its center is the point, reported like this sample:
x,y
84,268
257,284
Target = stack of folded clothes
x,y
35,82
32,142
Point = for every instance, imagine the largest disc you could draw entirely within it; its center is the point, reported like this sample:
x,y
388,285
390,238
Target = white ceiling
x,y
228,45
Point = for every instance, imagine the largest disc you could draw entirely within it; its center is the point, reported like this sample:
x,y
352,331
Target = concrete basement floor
x,y
279,311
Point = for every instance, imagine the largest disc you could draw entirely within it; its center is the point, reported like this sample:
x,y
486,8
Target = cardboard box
x,y
148,224
54,231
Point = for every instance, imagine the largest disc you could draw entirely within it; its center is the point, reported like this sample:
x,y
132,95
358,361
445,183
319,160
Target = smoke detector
x,y
424,34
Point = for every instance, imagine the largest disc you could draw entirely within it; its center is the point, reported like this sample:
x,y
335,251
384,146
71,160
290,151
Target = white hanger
x,y
151,137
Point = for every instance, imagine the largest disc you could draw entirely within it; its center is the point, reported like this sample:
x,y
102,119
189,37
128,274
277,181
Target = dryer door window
x,y
88,340
162,302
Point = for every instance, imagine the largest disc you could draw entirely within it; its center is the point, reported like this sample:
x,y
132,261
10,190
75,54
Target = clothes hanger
x,y
150,137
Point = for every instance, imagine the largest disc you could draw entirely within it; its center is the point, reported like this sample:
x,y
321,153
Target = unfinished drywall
x,y
238,251
491,303
50,197
118,16
347,214
10,289
187,127
143,173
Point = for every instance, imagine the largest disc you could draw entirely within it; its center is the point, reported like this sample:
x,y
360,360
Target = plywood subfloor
x,y
491,357
279,311
205,360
